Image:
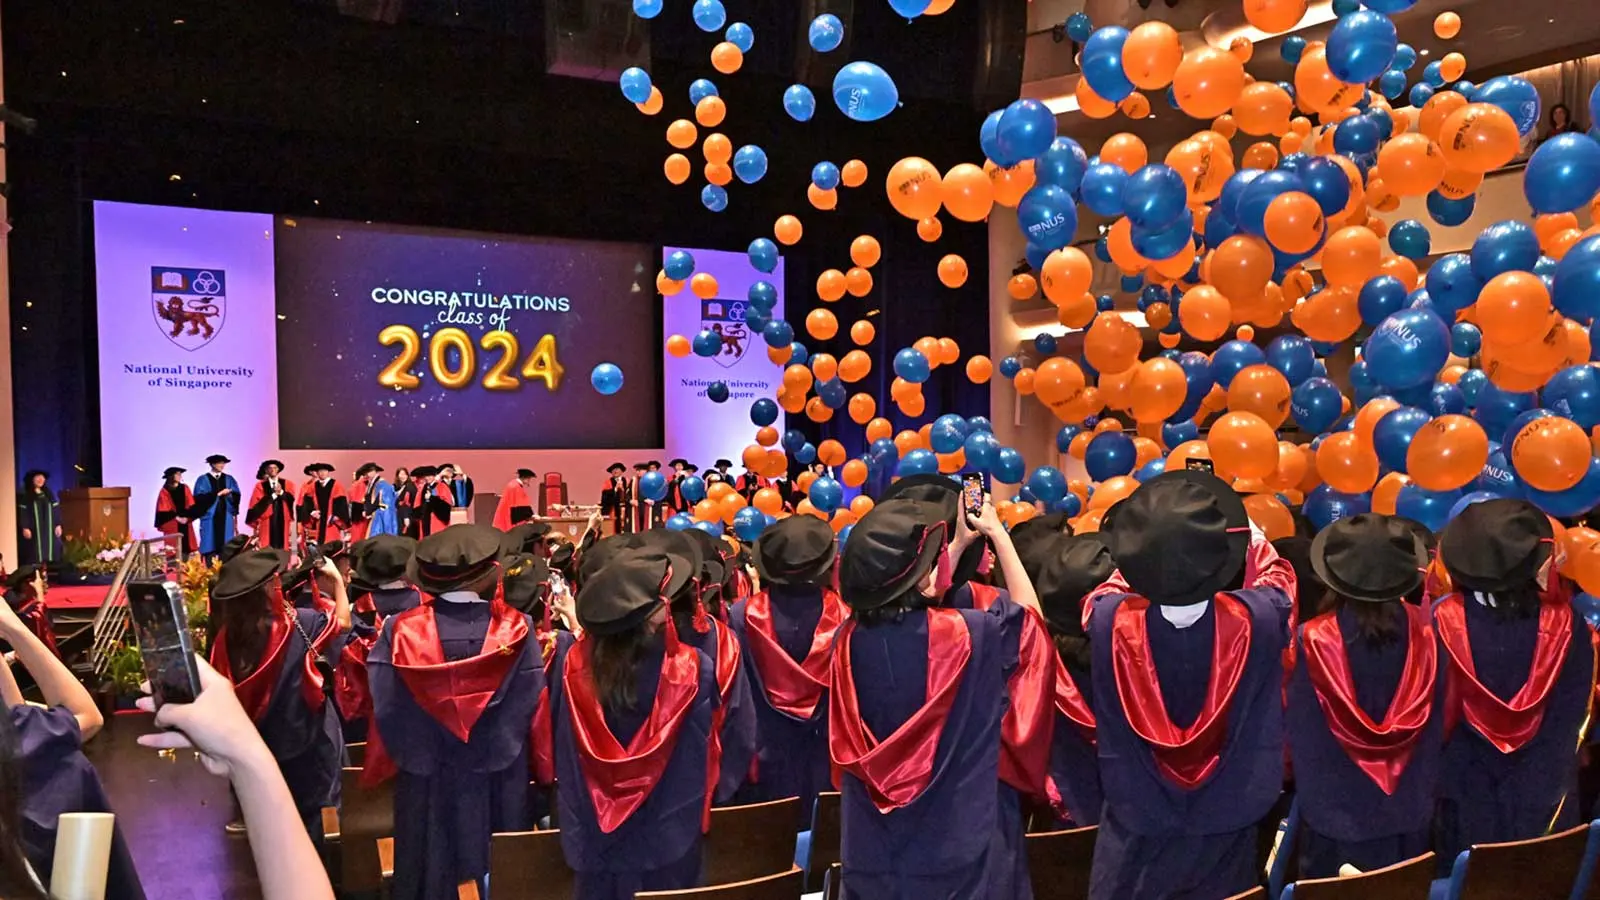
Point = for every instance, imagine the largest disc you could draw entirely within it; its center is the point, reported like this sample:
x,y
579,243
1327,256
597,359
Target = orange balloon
x,y
853,173
1059,383
878,429
1243,48
710,111
1022,286
652,103
767,436
1274,16
1548,226
1119,241
682,134
862,332
1386,493
676,168
1401,269
1157,390
823,366
1292,465
1204,314
1513,307
858,281
952,271
1351,256
726,57
1270,515
1294,222
1260,155
948,352
914,188
1126,151
822,199
1261,390
854,366
1010,183
1112,491
1430,119
708,510
1446,25
1367,418
817,411
1551,454
1135,106
1066,275
1093,105
821,324
1263,108
1345,464
861,505
717,148
703,285
1479,137
1207,82
718,173
862,408
1240,268
1205,166
1317,89
768,501
780,356
666,287
865,251
929,229
1225,125
979,370
830,286
1411,165
854,474
1151,55
1078,312
1242,445
967,192
1447,453
787,230
678,346
1181,454
1112,344
907,441
1452,66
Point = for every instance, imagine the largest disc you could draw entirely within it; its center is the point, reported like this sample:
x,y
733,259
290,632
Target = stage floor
x,y
76,596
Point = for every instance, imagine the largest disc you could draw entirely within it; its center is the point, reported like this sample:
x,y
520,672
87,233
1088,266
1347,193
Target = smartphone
x,y
972,493
1200,465
162,624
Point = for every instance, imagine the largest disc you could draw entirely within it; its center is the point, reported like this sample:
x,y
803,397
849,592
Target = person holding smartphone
x,y
276,657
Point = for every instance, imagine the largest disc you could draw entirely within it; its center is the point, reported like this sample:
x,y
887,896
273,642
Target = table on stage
x,y
572,526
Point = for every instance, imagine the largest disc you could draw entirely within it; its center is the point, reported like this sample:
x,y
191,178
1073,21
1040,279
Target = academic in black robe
x,y
38,518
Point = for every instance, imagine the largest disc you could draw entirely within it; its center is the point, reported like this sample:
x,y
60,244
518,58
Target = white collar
x,y
392,585
461,597
1184,616
1485,599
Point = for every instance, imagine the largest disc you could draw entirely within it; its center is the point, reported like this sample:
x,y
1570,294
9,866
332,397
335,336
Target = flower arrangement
x,y
195,579
102,555
126,670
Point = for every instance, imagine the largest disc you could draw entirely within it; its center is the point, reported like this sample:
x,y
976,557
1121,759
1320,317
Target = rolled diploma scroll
x,y
83,850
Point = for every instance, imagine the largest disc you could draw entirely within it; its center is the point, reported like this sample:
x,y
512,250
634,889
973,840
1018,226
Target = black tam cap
x,y
452,559
424,472
248,571
1064,569
1369,557
626,592
524,538
525,473
525,581
616,468
1181,537
22,577
216,458
796,550
723,464
380,559
890,551
234,547
1496,545
173,470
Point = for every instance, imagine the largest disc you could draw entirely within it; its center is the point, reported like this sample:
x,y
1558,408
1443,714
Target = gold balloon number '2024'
x,y
541,364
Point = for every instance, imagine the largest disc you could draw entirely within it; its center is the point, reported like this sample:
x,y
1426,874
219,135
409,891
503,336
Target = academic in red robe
x,y
324,507
174,502
514,506
432,512
616,498
271,511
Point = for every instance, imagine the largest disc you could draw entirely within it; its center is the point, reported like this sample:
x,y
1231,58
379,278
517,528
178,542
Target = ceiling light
x,y
1424,51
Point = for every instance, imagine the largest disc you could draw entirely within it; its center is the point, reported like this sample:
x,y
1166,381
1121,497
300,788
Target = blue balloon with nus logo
x,y
1446,400
864,92
1324,505
748,523
1497,477
1047,216
1408,349
1315,405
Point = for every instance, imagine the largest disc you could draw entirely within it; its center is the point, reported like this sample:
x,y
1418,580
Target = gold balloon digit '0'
x,y
500,376
397,374
439,348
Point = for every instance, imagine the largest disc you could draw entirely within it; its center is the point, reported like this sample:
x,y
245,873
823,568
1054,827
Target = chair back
x,y
825,836
1059,862
553,492
1538,867
782,886
365,815
358,754
530,865
833,882
1256,893
1407,880
751,841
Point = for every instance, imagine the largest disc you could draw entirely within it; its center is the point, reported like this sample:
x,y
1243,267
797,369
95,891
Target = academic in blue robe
x,y
451,796
218,520
1158,841
381,509
658,847
56,778
738,732
943,844
1345,816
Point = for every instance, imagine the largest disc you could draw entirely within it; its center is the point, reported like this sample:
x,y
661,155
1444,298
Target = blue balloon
x,y
1575,500
1431,508
826,33
1232,358
1155,197
806,454
717,391
712,528
1079,27
1048,484
1008,466
1324,506
1545,268
864,92
606,378
748,523
1466,500
1293,356
1574,392
1523,420
1380,298
1292,48
762,295
1433,75
756,319
1101,188
1451,284
1357,135
1405,56
1326,183
1197,375
635,84
1516,96
1471,384
709,15
1576,283
1408,349
1233,191
825,175
1101,63
1218,228
1065,435
1045,343
693,488
1047,216
825,494
1361,46
979,423
778,333
714,197
1165,243
1563,173
1026,130
1175,433
1109,454
1315,405
750,163
647,9
1465,339
909,8
793,440
1062,165
1261,192
1504,247
988,139
981,448
1392,436
679,265
1446,400
740,35
763,255
1036,256
911,365
947,434
1410,239
763,412
833,393
1392,83
653,486
1450,212
799,102
1495,408
1068,506
701,88
707,343
1345,7
680,522
1497,476
1010,366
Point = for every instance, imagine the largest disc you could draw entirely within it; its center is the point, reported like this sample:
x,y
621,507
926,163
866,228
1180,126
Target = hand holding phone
x,y
972,494
162,624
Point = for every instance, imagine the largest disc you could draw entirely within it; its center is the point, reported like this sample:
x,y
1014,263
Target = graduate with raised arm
x,y
516,504
216,496
431,511
271,509
175,511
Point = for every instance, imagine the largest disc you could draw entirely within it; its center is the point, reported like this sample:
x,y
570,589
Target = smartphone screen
x,y
972,493
1201,465
162,624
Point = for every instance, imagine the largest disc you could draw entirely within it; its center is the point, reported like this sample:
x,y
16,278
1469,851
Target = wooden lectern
x,y
95,512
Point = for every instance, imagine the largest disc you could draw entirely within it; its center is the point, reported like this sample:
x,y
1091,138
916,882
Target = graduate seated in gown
x,y
1064,569
43,748
787,633
1520,672
454,684
378,590
1364,709
1187,641
633,708
916,696
277,657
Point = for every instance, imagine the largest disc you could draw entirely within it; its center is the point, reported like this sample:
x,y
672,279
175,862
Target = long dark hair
x,y
397,475
16,878
614,664
246,620
29,490
1377,624
895,610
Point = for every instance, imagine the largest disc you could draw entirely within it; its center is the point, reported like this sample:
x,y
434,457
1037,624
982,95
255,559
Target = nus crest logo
x,y
190,305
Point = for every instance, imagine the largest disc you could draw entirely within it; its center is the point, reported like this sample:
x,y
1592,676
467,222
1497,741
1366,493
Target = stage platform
x,y
76,596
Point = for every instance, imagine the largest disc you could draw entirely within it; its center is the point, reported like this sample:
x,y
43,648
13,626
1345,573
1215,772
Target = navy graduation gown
x,y
451,795
658,846
394,601
55,777
736,714
941,844
1158,839
217,518
792,749
1074,762
1347,817
1486,795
